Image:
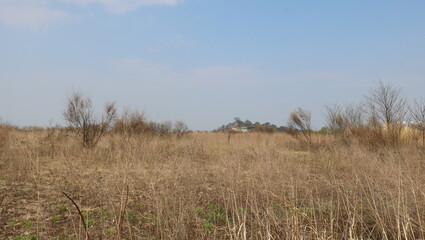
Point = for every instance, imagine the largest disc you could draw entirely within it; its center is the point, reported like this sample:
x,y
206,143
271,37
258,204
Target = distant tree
x,y
238,121
248,123
324,130
387,106
80,116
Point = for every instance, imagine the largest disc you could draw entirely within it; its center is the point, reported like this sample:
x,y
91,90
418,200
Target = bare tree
x,y
80,116
417,112
387,106
299,124
354,115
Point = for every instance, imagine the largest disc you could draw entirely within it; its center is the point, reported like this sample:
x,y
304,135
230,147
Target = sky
x,y
205,62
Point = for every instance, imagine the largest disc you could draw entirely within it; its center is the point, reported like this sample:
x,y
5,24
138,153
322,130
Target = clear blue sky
x,y
205,61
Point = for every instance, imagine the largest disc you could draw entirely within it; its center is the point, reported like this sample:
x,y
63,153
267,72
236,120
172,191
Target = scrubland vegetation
x,y
363,179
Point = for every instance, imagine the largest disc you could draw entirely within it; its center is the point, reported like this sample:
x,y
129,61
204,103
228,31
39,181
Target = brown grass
x,y
4,136
258,186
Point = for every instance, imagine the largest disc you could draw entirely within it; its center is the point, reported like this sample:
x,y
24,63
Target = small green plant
x,y
208,226
149,217
105,214
26,223
62,235
11,223
130,215
62,209
55,217
29,237
18,237
212,215
111,230
89,221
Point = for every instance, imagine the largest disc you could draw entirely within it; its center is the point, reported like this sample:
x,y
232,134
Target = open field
x,y
258,186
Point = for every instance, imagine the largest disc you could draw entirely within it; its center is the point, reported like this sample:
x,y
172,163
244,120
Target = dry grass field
x,y
257,186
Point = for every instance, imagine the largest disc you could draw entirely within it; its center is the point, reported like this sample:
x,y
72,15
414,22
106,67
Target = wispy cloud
x,y
182,40
122,6
30,14
33,14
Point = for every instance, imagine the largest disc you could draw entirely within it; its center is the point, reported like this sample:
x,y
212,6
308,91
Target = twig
x,y
79,212
122,212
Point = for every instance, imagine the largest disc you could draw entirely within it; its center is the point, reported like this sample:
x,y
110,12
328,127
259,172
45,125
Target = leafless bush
x,y
417,112
354,115
163,128
135,123
180,128
388,108
299,124
132,123
80,116
335,119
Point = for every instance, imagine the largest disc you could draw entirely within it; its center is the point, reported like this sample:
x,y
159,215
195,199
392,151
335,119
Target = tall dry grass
x,y
257,186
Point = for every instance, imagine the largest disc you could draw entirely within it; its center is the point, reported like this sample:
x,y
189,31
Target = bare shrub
x,y
354,115
299,124
387,107
355,121
180,128
80,116
164,128
417,112
132,123
335,119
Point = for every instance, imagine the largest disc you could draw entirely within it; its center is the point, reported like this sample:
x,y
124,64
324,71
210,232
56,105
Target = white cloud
x,y
122,6
33,14
30,14
183,41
